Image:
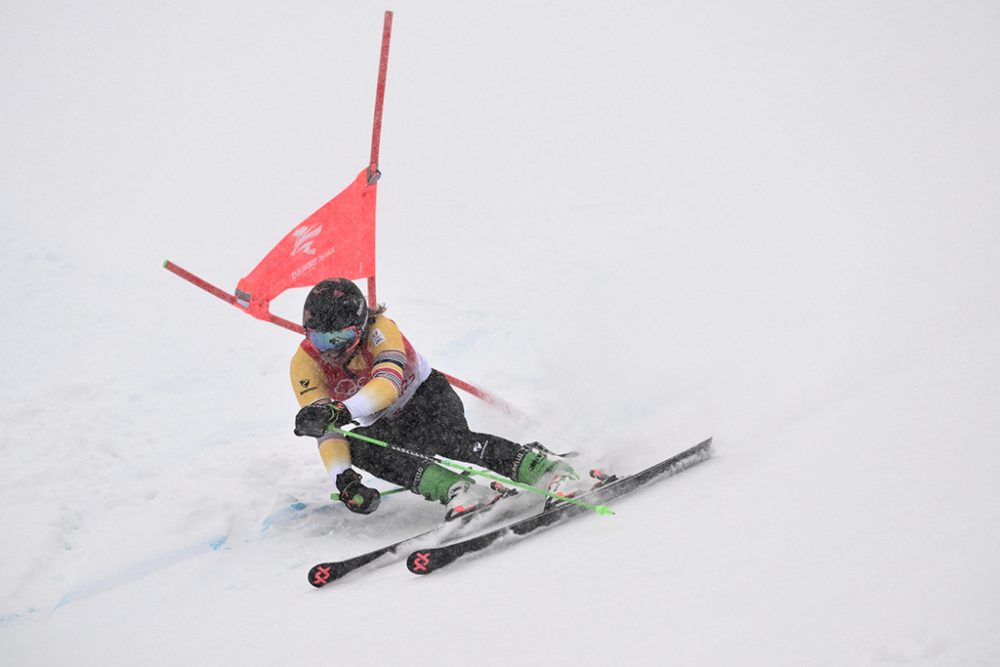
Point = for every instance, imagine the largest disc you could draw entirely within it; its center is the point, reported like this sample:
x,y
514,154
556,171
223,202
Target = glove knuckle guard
x,y
313,419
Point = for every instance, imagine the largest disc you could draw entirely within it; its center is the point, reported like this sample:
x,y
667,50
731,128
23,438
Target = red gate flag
x,y
338,240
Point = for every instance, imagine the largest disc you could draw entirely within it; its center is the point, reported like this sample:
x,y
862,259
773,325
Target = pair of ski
x,y
425,561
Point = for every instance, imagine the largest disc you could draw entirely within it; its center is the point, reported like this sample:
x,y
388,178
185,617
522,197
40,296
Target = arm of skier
x,y
309,385
385,342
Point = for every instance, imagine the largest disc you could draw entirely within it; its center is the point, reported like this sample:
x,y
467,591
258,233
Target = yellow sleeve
x,y
388,350
308,381
309,385
336,455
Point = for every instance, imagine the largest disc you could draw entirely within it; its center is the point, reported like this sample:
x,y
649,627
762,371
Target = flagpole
x,y
372,177
373,172
226,296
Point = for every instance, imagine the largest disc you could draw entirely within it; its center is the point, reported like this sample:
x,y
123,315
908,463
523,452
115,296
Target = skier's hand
x,y
358,497
341,415
314,419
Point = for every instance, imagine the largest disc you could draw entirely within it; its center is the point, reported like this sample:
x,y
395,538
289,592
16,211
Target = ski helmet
x,y
335,304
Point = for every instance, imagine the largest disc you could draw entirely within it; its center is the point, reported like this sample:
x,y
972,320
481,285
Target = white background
x,y
642,223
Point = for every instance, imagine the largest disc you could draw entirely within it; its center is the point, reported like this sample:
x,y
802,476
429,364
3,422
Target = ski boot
x,y
459,493
538,468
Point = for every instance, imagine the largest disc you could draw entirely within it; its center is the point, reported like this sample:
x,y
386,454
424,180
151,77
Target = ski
x,y
322,574
425,561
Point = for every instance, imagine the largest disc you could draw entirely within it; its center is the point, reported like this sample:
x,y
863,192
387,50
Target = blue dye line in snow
x,y
8,619
282,515
290,512
140,570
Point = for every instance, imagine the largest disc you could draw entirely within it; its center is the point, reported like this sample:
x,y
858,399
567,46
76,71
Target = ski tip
x,y
420,562
321,574
165,262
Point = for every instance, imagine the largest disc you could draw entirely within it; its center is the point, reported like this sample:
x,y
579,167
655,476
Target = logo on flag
x,y
303,239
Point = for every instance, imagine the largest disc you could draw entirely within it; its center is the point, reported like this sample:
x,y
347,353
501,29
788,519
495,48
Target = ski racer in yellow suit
x,y
355,366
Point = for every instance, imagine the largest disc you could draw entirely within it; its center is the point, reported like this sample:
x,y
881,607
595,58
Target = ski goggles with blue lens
x,y
333,341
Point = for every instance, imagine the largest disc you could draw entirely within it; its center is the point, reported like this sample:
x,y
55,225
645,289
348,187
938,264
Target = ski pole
x,y
603,510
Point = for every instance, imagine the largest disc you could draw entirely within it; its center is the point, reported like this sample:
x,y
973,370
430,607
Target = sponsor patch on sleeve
x,y
377,337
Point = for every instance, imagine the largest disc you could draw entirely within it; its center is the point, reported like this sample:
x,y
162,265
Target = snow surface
x,y
643,223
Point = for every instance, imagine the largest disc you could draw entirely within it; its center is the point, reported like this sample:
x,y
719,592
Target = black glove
x,y
358,497
314,419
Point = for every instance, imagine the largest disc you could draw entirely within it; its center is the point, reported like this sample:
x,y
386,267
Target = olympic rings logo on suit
x,y
346,387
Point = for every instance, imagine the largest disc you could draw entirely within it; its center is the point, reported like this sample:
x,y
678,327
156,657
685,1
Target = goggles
x,y
333,341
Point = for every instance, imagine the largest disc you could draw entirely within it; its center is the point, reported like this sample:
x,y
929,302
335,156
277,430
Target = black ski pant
x,y
432,422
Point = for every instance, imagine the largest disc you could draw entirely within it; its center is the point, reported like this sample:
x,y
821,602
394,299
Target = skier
x,y
356,366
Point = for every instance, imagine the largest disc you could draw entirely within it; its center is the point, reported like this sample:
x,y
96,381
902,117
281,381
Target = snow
x,y
642,224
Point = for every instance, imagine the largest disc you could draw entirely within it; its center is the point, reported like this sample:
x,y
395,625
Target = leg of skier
x,y
433,422
528,464
417,429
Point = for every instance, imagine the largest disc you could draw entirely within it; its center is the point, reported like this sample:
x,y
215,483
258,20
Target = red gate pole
x,y
373,172
225,296
373,176
383,66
